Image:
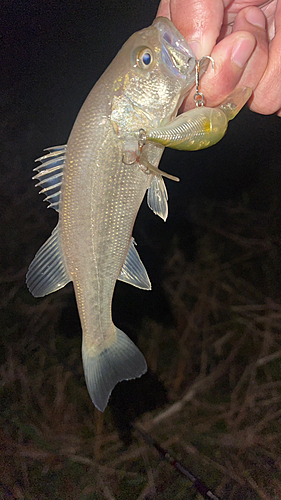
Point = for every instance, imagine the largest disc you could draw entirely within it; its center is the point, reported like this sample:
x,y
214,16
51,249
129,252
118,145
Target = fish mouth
x,y
176,53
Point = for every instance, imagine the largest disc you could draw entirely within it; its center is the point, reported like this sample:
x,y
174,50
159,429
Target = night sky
x,y
52,53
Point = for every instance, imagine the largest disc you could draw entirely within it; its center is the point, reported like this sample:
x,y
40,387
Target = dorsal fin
x,y
49,174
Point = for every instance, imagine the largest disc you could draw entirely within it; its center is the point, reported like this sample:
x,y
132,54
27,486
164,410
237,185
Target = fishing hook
x,y
198,97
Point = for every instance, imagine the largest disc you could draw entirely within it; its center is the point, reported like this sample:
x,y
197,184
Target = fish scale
x,y
104,216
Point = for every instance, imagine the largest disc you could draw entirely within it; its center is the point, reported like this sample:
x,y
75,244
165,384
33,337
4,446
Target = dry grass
x,y
220,363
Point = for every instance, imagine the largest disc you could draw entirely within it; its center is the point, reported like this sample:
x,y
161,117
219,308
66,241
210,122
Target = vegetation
x,y
219,361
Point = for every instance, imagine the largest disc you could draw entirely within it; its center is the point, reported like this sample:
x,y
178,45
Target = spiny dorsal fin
x,y
49,174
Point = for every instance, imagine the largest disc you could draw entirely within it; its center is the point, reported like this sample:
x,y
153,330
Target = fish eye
x,y
144,58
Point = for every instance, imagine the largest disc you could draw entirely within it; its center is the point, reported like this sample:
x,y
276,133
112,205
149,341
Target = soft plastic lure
x,y
201,127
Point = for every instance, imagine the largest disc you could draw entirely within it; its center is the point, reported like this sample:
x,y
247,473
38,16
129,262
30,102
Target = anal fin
x,y
133,271
47,272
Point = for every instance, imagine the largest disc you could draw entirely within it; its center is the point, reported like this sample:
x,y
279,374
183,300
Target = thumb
x,y
198,21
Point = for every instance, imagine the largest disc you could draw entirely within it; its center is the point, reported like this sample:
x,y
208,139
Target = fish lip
x,y
176,53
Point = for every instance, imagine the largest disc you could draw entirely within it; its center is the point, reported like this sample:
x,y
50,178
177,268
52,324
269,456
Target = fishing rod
x,y
126,423
199,485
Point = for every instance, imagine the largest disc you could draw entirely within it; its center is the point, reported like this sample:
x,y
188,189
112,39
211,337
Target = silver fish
x,y
97,183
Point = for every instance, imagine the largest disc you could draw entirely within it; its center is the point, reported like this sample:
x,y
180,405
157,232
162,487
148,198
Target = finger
x,y
198,21
247,45
269,10
267,96
234,7
164,9
230,56
257,63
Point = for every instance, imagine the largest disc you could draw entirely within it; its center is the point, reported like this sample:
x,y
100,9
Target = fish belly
x,y
100,200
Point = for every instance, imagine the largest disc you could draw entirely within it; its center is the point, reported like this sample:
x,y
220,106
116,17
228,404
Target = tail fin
x,y
121,361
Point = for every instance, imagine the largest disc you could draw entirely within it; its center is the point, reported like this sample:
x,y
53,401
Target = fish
x,y
97,182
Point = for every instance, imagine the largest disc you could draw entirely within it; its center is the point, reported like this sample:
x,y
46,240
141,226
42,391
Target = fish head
x,y
156,71
177,57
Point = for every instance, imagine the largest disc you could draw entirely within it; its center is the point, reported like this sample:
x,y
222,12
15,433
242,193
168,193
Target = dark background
x,y
51,55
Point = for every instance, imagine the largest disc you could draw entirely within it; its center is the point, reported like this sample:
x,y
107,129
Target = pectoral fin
x,y
133,271
157,197
47,272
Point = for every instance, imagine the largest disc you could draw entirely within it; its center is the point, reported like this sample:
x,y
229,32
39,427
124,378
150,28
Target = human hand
x,y
244,41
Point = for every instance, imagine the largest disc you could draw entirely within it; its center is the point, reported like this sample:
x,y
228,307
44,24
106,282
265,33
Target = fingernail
x,y
242,51
195,47
255,17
